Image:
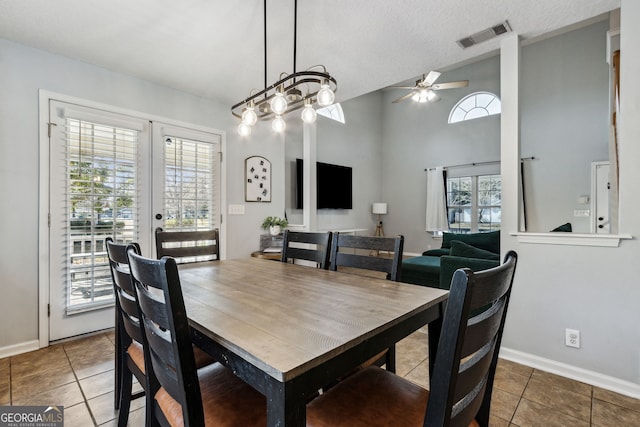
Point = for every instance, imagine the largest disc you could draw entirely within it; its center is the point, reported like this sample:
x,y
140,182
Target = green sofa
x,y
435,268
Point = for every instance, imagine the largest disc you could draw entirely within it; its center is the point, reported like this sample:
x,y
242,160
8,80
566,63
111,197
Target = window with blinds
x,y
474,203
101,201
190,173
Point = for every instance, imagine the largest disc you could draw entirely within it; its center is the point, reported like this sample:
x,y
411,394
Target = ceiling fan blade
x,y
402,98
450,85
431,77
401,87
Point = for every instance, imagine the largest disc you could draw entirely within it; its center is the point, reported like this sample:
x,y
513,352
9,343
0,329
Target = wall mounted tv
x,y
334,186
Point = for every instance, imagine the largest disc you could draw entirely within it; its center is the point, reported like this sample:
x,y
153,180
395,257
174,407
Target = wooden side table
x,y
276,256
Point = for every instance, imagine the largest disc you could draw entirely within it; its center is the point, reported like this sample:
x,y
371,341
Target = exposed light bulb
x,y
278,103
325,95
421,96
278,124
244,129
308,113
249,116
431,95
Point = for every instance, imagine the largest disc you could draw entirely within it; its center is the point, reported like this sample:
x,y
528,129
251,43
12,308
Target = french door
x,y
113,175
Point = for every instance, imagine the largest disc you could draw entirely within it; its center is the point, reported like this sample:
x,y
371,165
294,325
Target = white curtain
x,y
436,201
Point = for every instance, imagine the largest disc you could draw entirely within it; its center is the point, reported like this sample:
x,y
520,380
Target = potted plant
x,y
274,224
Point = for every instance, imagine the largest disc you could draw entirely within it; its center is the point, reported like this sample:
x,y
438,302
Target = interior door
x,y
97,170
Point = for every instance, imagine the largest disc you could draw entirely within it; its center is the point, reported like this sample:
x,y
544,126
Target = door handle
x,y
158,216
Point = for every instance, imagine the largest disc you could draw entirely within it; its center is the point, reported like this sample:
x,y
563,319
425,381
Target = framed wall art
x,y
257,179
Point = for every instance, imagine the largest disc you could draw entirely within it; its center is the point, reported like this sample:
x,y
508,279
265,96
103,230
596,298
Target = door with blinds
x,y
186,189
107,179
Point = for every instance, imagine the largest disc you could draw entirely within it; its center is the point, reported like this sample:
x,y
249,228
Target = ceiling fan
x,y
425,88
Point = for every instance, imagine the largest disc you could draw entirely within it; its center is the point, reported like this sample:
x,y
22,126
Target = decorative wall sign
x,y
258,179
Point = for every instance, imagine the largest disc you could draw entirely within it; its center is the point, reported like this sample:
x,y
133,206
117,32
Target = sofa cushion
x,y
436,252
488,241
462,249
421,270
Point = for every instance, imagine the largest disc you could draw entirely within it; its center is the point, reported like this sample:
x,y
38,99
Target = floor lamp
x,y
379,209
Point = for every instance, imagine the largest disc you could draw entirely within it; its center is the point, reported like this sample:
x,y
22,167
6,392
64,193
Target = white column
x,y
510,136
309,200
628,123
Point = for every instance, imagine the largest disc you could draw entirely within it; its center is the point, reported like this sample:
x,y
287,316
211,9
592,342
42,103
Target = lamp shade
x,y
379,208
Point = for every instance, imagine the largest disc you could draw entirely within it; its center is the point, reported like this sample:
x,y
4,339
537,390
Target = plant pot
x,y
274,230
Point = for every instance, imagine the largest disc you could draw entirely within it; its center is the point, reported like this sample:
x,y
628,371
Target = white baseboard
x,y
617,385
12,350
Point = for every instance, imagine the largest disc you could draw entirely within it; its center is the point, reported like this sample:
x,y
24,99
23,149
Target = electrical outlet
x,y
572,338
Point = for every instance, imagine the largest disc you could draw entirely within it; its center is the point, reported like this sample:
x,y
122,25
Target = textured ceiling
x,y
215,48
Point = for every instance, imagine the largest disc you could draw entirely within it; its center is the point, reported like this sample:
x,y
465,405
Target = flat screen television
x,y
334,186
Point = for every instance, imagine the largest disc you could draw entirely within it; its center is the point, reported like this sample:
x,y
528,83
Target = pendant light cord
x,y
265,43
295,32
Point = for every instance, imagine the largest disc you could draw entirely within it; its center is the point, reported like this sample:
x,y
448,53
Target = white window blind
x,y
101,200
191,170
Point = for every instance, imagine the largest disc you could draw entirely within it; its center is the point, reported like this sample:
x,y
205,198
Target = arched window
x,y
477,104
333,111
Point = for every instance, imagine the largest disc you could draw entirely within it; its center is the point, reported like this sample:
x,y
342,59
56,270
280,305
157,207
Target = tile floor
x,y
79,375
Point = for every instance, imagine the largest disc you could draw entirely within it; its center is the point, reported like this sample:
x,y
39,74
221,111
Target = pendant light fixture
x,y
300,89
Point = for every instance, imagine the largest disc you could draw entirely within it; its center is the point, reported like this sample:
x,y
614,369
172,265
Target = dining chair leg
x,y
118,369
435,328
125,404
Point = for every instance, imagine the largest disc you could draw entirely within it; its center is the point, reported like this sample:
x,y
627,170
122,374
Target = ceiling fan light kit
x,y
425,88
292,92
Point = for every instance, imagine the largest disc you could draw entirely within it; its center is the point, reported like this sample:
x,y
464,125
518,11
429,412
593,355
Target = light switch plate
x,y
236,209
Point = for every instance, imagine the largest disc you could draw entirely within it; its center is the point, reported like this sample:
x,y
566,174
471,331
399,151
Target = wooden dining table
x,y
288,330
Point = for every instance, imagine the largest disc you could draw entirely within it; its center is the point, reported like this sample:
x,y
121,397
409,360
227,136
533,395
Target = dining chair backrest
x,y
167,335
188,246
297,246
470,338
128,333
356,251
123,288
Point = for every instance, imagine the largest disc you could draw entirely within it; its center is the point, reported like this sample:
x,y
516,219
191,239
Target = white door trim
x,y
43,198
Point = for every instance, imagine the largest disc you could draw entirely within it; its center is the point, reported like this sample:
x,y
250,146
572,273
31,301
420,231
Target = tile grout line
x,y
521,398
84,397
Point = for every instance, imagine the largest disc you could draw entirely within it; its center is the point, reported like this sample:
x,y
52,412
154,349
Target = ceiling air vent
x,y
484,35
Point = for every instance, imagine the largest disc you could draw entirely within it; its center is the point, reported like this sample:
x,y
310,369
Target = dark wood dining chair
x,y
296,246
357,252
463,374
188,246
178,394
129,356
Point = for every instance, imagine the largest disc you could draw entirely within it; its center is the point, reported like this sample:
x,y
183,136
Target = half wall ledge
x,y
572,239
